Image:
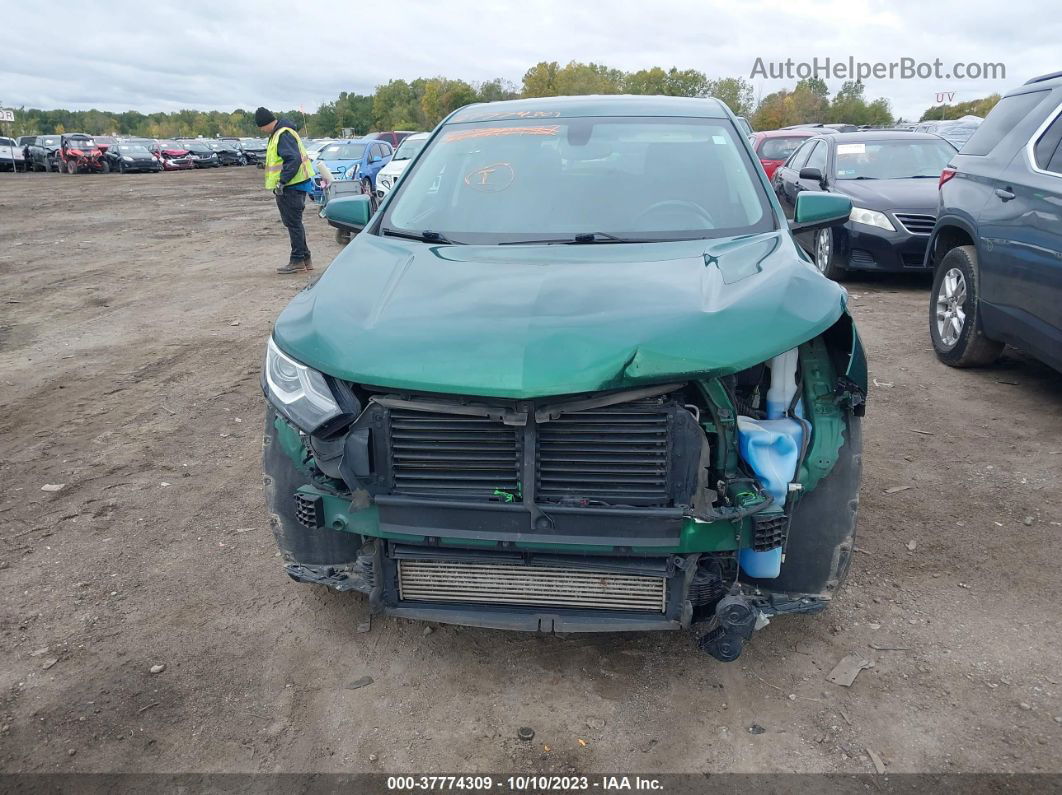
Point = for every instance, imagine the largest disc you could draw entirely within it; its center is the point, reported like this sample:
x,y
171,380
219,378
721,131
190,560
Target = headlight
x,y
385,182
127,158
297,391
871,218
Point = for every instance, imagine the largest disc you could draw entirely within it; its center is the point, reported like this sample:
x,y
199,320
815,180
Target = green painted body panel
x,y
535,321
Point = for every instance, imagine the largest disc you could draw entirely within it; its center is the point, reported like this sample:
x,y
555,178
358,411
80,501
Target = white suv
x,y
404,155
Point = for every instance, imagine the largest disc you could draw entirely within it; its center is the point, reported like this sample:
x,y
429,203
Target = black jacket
x,y
288,150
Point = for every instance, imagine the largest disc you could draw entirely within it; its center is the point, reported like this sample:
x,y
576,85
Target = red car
x,y
773,147
171,155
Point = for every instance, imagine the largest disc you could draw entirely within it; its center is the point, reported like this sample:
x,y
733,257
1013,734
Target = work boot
x,y
307,264
293,266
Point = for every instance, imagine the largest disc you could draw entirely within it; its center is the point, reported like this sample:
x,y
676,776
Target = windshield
x,y
892,159
171,145
49,141
342,152
80,143
199,149
408,149
222,146
134,149
631,178
780,148
6,142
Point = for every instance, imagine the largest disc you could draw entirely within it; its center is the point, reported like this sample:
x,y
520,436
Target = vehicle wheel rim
x,y
823,249
951,314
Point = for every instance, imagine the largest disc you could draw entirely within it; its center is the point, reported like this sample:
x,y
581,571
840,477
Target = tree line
x,y
420,104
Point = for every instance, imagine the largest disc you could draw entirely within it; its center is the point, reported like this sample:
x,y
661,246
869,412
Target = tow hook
x,y
735,620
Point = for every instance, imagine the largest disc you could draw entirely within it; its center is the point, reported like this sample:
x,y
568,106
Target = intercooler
x,y
512,584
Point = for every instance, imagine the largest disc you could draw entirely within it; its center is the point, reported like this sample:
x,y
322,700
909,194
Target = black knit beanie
x,y
263,116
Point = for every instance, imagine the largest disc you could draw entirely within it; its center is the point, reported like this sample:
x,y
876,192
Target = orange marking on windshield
x,y
490,132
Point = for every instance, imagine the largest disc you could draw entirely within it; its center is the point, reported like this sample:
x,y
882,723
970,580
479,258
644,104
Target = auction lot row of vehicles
x,y
528,397
76,153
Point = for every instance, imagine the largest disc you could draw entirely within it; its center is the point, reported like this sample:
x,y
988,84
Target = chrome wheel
x,y
951,316
823,249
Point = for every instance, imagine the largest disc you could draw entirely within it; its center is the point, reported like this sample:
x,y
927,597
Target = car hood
x,y
891,194
532,321
394,168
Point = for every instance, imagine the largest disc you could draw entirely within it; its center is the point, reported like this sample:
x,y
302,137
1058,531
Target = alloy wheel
x,y
951,316
823,249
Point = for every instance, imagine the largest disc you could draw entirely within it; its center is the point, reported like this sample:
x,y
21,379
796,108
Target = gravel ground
x,y
133,313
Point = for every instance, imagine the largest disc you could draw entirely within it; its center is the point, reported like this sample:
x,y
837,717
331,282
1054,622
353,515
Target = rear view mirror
x,y
818,210
350,213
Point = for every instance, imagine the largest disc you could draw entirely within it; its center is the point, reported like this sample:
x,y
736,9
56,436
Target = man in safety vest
x,y
289,175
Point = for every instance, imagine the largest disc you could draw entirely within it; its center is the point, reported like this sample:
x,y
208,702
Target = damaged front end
x,y
712,501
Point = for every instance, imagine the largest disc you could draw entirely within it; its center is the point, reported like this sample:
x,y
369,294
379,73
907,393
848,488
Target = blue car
x,y
357,159
996,247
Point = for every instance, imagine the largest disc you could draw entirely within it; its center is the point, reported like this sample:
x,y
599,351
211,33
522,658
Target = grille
x,y
435,581
449,455
861,258
618,454
916,224
309,510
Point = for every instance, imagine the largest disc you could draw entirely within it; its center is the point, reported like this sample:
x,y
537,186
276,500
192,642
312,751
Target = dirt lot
x,y
133,313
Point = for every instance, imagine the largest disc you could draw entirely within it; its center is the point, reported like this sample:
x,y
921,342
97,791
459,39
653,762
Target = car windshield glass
x,y
408,149
80,143
342,152
892,159
51,142
134,149
171,145
779,148
202,149
6,142
597,179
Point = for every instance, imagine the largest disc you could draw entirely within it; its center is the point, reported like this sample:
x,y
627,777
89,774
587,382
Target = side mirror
x,y
349,213
811,174
819,210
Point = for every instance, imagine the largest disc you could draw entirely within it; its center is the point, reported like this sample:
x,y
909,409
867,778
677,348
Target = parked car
x,y
104,142
891,179
129,156
958,132
254,149
24,143
773,147
42,152
173,156
229,153
393,137
313,148
407,150
11,156
79,154
528,397
201,154
357,159
996,248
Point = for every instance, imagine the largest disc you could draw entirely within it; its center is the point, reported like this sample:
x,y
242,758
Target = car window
x,y
378,150
817,158
1046,150
779,148
800,156
520,181
892,159
342,152
1007,113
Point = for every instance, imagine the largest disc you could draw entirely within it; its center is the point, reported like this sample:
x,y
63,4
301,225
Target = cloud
x,y
226,54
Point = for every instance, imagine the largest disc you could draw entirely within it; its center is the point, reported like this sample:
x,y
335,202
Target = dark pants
x,y
291,203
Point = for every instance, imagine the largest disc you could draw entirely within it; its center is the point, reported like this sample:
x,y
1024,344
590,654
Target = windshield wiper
x,y
427,236
586,237
920,176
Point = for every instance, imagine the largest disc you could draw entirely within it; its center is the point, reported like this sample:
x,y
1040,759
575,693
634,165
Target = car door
x,y
787,176
1020,228
375,158
818,158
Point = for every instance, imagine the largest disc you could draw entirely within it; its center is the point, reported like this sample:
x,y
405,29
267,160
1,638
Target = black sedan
x,y
229,153
891,178
126,157
201,154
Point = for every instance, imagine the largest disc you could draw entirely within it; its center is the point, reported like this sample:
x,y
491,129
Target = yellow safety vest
x,y
274,163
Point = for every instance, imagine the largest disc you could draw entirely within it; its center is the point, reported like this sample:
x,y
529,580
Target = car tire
x,y
954,313
105,167
827,257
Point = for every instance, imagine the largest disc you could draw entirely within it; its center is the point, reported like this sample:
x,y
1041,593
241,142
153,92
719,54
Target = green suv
x,y
573,375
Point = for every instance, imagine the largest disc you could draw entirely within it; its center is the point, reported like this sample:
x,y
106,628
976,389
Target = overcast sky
x,y
171,54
